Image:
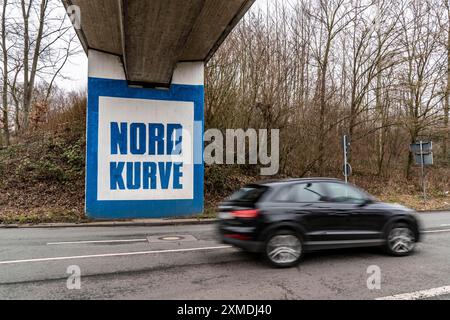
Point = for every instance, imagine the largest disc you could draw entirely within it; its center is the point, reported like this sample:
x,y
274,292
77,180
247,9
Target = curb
x,y
133,223
434,211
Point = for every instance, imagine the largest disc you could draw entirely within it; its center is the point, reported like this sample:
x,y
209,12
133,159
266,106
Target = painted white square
x,y
144,111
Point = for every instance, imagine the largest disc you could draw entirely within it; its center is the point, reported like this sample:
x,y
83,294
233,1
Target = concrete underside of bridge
x,y
152,36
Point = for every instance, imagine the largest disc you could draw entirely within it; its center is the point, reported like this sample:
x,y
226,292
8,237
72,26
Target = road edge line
x,y
107,255
417,295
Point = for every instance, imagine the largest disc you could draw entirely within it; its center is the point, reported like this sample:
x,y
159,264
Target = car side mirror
x,y
325,199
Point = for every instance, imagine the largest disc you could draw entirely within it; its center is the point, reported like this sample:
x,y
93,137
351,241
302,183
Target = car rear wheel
x,y
400,240
283,249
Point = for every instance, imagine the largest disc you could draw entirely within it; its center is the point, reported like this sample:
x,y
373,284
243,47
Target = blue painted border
x,y
96,209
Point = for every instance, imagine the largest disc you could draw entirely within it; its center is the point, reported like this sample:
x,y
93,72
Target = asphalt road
x,y
134,263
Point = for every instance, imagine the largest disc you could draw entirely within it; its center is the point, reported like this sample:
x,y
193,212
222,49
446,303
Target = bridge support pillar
x,y
144,145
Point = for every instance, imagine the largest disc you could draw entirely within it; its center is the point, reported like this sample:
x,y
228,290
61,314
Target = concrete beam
x,y
216,20
152,36
100,25
156,33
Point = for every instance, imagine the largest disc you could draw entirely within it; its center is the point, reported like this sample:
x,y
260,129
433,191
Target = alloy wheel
x,y
401,240
284,249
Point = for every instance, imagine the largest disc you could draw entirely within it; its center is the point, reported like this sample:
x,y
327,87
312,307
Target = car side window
x,y
306,192
344,193
283,194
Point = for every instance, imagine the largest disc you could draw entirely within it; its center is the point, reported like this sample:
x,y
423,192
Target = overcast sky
x,y
76,71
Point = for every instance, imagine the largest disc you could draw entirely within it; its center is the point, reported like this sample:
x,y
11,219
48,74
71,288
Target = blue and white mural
x,y
144,146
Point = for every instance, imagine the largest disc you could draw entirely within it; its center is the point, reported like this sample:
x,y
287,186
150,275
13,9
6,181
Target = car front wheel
x,y
284,249
400,240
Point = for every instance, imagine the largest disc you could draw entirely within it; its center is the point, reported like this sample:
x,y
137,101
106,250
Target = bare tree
x,y
333,17
30,67
5,111
38,43
424,68
445,24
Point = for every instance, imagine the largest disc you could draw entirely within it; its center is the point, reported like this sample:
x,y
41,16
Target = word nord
x,y
146,139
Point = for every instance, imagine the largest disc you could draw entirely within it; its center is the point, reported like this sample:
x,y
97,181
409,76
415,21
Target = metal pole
x,y
345,159
423,171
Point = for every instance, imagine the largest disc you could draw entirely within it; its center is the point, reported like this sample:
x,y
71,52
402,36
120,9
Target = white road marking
x,y
419,294
437,231
94,241
113,255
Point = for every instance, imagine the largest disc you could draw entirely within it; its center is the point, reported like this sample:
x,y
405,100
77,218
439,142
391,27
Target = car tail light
x,y
237,236
245,213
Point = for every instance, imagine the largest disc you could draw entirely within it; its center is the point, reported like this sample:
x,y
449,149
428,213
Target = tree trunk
x,y
26,65
323,87
30,74
446,155
380,113
5,119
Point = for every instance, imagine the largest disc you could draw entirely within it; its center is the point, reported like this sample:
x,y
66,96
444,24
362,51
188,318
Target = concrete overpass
x,y
152,36
145,111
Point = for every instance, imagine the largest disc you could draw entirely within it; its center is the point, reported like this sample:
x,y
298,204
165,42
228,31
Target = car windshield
x,y
248,194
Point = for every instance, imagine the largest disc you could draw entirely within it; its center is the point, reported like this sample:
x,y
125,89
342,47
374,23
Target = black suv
x,y
284,219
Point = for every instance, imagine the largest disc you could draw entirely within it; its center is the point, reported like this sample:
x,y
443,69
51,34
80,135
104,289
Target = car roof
x,y
294,180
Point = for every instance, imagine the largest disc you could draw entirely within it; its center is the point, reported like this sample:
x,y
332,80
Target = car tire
x,y
400,240
283,249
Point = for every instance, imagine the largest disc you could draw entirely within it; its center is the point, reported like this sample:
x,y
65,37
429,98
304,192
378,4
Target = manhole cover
x,y
171,238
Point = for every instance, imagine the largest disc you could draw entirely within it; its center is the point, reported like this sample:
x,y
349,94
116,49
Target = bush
x,y
43,173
